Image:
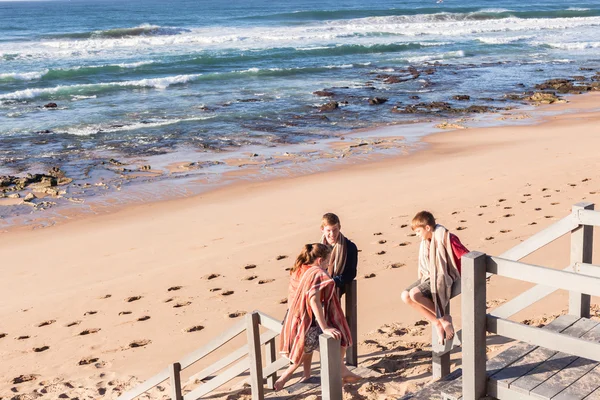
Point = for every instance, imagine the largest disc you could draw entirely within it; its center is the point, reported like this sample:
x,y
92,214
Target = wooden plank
x,y
585,269
351,311
509,356
295,390
234,356
542,238
504,393
440,364
269,322
473,324
568,376
544,338
582,239
275,366
146,385
554,363
588,217
256,372
175,373
220,380
582,387
213,345
544,276
331,376
270,357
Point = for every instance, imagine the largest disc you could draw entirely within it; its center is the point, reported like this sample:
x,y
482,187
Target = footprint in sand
x,y
462,221
283,301
133,298
377,234
170,299
236,314
553,204
3,335
403,225
20,337
144,318
125,313
40,349
382,241
250,266
585,180
489,238
215,289
88,360
557,190
533,223
72,324
538,209
371,275
482,206
508,208
397,265
508,215
227,293
195,328
411,235
544,189
480,214
461,228
380,253
491,221
172,288
547,195
24,378
505,230
89,331
404,244
182,304
46,323
572,184
211,276
548,216
139,343
455,212
592,192
250,278
263,281
90,313
501,200
527,195
106,296
280,257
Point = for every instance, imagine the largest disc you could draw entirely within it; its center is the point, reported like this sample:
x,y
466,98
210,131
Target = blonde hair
x,y
329,219
310,253
423,219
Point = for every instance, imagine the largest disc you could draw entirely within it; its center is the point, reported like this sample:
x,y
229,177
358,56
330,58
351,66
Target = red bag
x,y
458,249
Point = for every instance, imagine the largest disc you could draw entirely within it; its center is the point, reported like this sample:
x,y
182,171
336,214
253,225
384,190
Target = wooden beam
x,y
270,357
146,385
542,238
232,357
175,373
588,217
544,276
543,338
351,311
213,345
256,373
331,376
582,239
218,381
474,325
269,322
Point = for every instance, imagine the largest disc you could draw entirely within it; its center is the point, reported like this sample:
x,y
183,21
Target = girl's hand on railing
x,y
334,333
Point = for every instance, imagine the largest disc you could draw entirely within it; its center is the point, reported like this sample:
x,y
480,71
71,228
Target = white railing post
x,y
175,375
271,356
473,325
352,319
440,358
582,239
331,375
256,370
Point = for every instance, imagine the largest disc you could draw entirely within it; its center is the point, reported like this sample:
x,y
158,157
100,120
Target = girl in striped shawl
x,y
313,308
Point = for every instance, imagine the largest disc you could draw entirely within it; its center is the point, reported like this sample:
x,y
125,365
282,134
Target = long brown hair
x,y
310,253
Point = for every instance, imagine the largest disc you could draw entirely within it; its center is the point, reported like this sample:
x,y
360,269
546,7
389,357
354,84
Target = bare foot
x,y
280,382
440,331
305,378
351,378
446,323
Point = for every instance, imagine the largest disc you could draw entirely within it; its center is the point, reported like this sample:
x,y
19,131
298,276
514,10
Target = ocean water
x,y
144,78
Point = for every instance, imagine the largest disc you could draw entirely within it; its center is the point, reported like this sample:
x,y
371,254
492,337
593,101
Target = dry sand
x,y
75,297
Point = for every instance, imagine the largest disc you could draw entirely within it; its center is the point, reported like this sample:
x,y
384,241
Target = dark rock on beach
x,y
51,105
324,93
332,105
461,97
377,100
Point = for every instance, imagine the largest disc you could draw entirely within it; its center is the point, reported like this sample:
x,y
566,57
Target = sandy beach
x,y
169,276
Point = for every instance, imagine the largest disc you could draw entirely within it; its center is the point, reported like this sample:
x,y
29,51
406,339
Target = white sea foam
x,y
495,10
23,76
436,57
104,128
577,9
158,83
571,45
502,40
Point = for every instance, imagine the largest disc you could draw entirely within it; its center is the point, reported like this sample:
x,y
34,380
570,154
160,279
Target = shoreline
x,y
105,274
360,147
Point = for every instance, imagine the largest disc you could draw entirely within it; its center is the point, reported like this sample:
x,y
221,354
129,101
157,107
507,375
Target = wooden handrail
x,y
588,217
